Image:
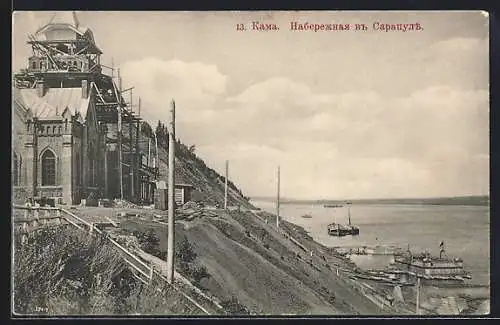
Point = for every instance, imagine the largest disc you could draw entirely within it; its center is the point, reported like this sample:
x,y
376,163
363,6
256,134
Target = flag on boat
x,y
441,247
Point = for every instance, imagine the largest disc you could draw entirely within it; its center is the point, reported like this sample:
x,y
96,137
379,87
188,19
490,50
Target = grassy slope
x,y
65,271
261,268
206,181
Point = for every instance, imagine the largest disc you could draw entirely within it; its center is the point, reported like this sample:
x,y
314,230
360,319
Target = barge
x,y
433,270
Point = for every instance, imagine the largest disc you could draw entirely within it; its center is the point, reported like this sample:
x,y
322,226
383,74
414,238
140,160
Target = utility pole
x,y
156,162
149,152
139,106
417,311
225,185
278,201
349,212
149,165
105,165
131,162
171,196
119,136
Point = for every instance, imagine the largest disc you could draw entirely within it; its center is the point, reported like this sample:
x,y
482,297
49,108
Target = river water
x,y
463,229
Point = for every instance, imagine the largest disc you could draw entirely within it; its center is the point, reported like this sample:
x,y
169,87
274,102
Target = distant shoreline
x,y
461,200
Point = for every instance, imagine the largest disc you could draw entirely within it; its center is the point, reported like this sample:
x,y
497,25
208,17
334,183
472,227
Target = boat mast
x,y
278,199
349,212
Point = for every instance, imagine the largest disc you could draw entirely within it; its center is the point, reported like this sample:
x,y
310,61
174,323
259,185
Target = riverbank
x,y
465,299
248,260
241,259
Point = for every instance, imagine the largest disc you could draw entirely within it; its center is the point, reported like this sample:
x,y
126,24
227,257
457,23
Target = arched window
x,y
48,168
15,170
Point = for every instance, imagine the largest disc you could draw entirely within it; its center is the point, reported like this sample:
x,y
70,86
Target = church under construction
x,y
74,134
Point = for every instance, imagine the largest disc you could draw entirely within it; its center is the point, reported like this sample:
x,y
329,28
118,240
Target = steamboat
x,y
339,230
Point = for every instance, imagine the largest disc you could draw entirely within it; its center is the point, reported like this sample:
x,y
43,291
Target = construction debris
x,y
191,210
126,240
124,214
192,205
104,203
126,204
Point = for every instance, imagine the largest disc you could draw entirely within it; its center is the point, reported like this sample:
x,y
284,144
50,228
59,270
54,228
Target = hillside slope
x,y
248,260
209,185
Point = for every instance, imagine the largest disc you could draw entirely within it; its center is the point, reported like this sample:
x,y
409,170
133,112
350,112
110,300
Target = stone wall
x,y
19,195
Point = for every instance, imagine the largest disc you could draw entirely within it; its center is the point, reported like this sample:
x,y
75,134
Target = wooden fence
x,y
29,219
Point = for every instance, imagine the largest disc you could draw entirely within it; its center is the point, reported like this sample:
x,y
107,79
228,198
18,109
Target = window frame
x,y
45,180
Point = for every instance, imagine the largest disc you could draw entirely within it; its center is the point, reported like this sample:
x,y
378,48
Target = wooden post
x,y
139,108
349,212
112,69
131,162
131,100
225,185
120,158
278,200
156,161
171,196
418,297
137,162
105,168
35,156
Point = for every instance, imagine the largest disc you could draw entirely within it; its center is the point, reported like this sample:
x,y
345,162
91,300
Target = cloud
x,y
195,86
460,45
431,142
391,115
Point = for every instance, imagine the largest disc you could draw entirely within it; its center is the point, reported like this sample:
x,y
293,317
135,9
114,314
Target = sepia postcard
x,y
331,163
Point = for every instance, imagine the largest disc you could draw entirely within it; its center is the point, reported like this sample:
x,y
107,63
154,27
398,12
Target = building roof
x,y
65,18
61,19
53,103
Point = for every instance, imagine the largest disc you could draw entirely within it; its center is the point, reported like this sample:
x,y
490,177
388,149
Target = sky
x,y
345,114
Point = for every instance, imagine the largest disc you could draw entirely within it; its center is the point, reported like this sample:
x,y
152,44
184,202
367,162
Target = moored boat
x,y
332,205
336,229
434,269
